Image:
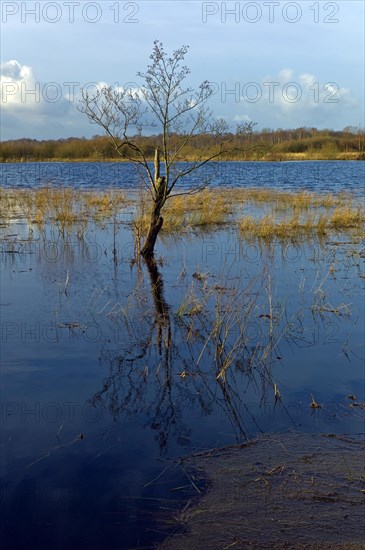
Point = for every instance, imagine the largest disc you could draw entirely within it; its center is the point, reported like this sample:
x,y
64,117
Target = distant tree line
x,y
267,144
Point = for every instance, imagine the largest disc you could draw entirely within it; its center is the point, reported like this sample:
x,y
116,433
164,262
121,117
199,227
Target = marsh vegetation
x,y
248,321
278,145
265,213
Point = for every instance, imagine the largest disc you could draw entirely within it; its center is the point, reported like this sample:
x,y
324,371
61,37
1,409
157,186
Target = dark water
x,y
323,176
107,379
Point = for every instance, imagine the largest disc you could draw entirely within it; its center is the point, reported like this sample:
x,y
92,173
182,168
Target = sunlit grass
x,y
214,207
276,213
66,208
265,213
296,224
347,217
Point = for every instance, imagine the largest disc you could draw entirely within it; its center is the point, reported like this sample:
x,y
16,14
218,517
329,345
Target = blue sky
x,y
280,64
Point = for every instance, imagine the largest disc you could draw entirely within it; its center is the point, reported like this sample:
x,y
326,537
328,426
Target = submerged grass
x,y
264,213
66,208
296,225
286,213
208,208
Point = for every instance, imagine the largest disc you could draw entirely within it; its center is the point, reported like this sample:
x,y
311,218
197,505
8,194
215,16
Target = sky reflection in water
x,y
105,381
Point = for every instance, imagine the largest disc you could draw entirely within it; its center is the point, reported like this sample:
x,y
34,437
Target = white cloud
x,y
13,70
41,110
290,100
44,110
21,92
242,118
16,81
34,108
307,80
285,75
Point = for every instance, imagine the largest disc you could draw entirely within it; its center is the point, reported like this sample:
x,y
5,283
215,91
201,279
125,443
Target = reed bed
x,y
66,208
264,213
272,213
296,225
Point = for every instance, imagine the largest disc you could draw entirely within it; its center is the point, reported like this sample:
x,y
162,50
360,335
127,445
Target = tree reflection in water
x,y
207,355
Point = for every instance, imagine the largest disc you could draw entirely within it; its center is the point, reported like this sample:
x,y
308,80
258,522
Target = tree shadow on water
x,y
179,367
140,381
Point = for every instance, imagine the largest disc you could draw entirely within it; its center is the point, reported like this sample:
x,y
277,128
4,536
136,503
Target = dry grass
x,y
275,213
298,211
343,217
297,200
297,224
181,212
199,210
68,209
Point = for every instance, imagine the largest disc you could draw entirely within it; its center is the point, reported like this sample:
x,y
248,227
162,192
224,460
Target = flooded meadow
x,y
249,322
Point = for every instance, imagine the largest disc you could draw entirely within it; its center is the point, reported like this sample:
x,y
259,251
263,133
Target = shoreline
x,y
289,158
266,492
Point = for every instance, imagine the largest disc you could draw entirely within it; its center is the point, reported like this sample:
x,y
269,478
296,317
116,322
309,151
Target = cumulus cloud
x,y
45,110
242,118
15,81
13,71
307,80
21,91
288,99
34,108
42,110
285,75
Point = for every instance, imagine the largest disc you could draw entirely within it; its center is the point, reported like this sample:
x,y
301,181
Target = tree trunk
x,y
153,230
158,202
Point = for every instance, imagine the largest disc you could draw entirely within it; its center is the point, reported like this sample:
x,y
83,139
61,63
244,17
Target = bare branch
x,y
181,115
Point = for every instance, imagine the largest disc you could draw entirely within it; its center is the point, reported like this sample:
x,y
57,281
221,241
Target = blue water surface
x,y
103,388
321,176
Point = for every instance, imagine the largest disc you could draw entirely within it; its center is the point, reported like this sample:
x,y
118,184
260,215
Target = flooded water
x,y
323,176
111,370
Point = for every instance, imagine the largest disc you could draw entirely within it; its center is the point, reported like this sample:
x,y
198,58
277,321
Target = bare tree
x,y
178,114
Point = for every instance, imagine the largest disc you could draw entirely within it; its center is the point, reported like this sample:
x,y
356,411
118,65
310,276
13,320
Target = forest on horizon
x,y
267,144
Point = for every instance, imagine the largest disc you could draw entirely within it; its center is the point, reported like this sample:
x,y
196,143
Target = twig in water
x,y
67,281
